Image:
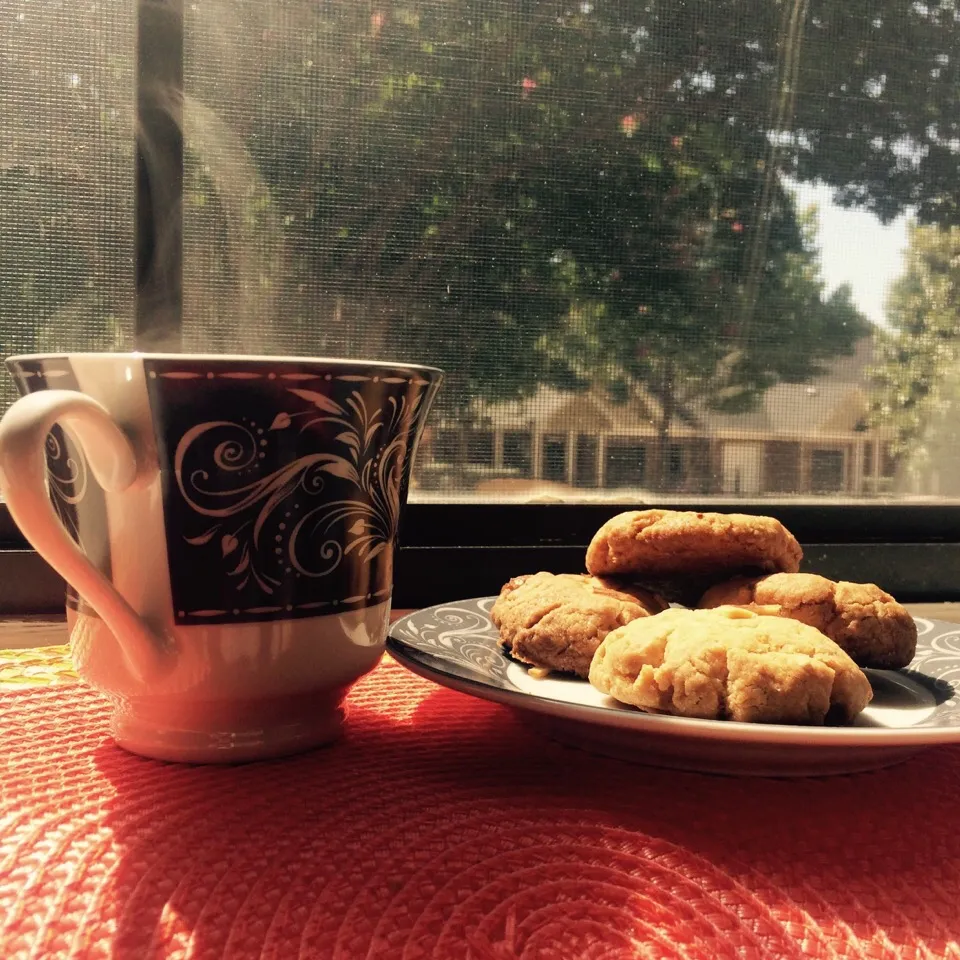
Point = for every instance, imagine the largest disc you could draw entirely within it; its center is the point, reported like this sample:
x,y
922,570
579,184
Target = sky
x,y
856,248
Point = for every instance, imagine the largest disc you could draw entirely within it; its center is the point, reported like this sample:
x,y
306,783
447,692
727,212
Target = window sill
x,y
454,551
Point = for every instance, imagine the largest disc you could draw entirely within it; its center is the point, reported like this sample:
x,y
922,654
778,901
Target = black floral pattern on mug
x,y
283,491
69,480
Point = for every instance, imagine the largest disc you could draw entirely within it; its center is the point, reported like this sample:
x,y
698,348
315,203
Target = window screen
x,y
700,249
67,148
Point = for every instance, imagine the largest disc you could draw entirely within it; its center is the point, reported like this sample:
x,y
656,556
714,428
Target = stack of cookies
x,y
764,643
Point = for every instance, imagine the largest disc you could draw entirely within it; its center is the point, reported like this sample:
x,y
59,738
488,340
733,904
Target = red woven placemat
x,y
440,827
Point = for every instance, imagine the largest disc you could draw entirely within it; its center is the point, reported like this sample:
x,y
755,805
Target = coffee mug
x,y
227,528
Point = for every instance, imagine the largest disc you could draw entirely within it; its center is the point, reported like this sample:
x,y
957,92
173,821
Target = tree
x,y
489,169
917,383
49,300
664,341
66,180
877,106
458,181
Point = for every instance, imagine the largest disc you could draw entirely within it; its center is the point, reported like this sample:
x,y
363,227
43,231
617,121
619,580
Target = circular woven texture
x,y
439,827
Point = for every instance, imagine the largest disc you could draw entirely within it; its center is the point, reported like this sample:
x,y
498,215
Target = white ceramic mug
x,y
227,526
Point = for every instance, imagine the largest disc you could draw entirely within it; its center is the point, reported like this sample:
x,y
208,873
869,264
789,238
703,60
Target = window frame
x,y
452,551
457,550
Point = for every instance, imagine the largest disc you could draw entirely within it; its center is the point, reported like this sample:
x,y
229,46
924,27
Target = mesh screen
x,y
67,121
660,248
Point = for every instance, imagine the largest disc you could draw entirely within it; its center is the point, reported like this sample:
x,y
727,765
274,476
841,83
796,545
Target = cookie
x,y
730,664
862,619
663,544
557,621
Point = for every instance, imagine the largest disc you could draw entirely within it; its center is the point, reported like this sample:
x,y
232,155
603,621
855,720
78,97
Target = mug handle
x,y
113,462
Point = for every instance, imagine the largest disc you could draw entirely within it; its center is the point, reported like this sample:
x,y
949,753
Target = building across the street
x,y
802,438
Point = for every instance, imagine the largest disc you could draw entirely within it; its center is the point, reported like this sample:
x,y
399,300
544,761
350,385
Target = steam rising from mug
x,y
227,290
241,108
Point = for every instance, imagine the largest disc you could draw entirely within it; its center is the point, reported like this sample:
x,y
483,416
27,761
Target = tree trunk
x,y
461,464
660,461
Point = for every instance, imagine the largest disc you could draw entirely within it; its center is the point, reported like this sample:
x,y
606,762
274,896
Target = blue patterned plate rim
x,y
455,645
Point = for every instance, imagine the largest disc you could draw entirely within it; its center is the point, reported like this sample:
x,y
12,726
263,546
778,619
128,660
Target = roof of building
x,y
834,402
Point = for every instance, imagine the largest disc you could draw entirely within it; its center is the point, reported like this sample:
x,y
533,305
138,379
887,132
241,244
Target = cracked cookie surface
x,y
557,621
864,620
730,664
664,544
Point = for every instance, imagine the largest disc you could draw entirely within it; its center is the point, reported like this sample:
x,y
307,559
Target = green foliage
x,y
42,263
49,299
528,193
877,108
532,194
687,356
917,378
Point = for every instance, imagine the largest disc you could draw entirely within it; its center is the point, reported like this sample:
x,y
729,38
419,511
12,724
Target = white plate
x,y
455,644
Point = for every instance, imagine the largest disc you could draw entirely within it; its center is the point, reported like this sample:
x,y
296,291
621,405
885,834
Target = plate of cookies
x,y
693,641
